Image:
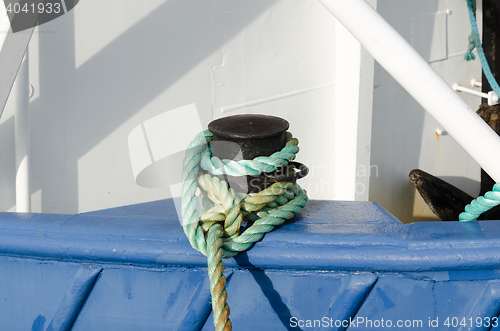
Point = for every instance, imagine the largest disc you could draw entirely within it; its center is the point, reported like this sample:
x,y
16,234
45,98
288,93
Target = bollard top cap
x,y
248,126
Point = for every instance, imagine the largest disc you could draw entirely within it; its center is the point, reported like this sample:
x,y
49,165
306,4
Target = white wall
x,y
108,66
403,134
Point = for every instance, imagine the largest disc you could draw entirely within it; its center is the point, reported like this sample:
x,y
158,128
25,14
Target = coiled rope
x,y
216,232
481,204
491,198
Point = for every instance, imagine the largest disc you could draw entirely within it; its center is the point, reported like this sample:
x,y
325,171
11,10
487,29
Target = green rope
x,y
253,167
216,232
469,56
491,198
217,279
481,204
475,42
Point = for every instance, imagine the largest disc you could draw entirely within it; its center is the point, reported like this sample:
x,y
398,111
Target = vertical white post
x,y
418,78
20,95
345,130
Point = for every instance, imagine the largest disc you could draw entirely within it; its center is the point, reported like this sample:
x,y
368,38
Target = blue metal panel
x,y
131,268
74,299
138,298
31,290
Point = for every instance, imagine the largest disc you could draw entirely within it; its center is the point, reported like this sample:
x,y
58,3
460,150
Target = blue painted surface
x,y
74,299
131,268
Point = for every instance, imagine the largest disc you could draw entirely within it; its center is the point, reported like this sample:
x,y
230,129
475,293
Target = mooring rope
x,y
475,42
481,204
491,198
216,232
253,167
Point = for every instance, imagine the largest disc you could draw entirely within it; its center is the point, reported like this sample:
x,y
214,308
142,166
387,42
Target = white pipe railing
x,y
4,25
20,95
416,76
457,88
490,96
12,49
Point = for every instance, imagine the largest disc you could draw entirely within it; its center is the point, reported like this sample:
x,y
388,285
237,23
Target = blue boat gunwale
x,y
327,235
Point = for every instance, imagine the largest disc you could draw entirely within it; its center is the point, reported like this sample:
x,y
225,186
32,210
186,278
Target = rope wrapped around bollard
x,y
216,232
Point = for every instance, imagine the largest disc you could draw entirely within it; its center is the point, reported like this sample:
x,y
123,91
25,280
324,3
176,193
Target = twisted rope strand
x,y
475,41
263,225
216,233
491,198
253,167
481,204
228,209
217,279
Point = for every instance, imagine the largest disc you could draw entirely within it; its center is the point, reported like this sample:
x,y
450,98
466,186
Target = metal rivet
x,y
440,132
31,91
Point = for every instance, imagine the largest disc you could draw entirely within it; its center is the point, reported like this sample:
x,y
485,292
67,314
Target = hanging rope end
x,y
469,56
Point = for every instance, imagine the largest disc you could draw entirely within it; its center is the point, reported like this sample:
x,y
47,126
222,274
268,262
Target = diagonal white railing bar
x,y
416,76
12,49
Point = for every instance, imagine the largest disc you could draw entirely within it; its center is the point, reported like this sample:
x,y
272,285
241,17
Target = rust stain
x,y
438,135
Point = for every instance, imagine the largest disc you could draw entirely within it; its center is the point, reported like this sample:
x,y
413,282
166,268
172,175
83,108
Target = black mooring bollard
x,y
245,137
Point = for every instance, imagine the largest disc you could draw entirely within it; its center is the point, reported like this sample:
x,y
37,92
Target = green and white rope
x,y
481,204
253,167
216,232
217,279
